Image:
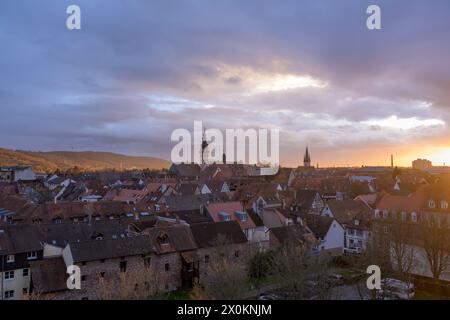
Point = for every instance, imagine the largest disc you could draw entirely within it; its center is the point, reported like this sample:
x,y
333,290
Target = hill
x,y
88,160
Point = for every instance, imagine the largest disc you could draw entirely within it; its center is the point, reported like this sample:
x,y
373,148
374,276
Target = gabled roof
x,y
61,234
395,203
107,249
207,234
291,234
319,225
346,211
180,238
19,239
185,170
187,189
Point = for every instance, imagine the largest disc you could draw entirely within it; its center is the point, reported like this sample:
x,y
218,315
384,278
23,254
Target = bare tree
x,y
300,274
227,276
402,251
136,284
435,238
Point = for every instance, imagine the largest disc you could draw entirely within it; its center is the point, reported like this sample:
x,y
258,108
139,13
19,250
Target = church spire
x,y
204,151
307,158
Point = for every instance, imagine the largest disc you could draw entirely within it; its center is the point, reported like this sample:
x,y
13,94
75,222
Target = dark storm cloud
x,y
139,69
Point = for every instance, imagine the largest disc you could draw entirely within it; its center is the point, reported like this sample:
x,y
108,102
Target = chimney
x,y
392,161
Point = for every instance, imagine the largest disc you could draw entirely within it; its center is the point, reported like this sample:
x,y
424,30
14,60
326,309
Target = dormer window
x,y
241,215
431,204
163,239
31,255
225,216
444,204
57,220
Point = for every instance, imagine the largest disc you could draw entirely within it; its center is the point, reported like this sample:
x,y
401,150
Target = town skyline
x,y
354,95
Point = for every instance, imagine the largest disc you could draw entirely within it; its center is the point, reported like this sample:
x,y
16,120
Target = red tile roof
x,y
230,207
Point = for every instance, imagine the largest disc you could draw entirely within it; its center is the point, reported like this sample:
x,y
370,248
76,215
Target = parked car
x,y
268,296
396,289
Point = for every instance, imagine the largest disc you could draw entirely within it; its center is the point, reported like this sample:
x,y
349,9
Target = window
x,y
413,217
403,215
10,258
431,204
377,213
25,291
102,274
32,255
207,258
163,239
167,267
123,266
83,278
385,214
385,229
9,275
236,254
444,204
26,272
356,222
9,294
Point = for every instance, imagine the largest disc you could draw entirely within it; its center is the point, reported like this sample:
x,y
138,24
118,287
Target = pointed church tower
x,y
307,159
204,149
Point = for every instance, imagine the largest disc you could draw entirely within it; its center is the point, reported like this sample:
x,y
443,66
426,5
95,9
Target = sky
x,y
137,70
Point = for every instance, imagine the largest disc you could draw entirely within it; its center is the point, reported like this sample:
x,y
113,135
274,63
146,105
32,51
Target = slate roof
x,y
63,233
180,237
186,189
206,234
286,234
19,239
345,211
107,249
185,170
319,225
